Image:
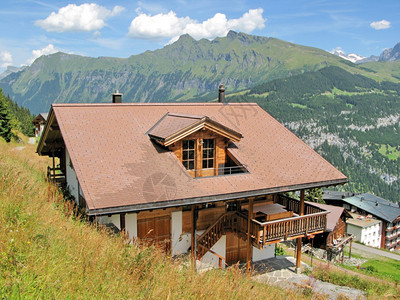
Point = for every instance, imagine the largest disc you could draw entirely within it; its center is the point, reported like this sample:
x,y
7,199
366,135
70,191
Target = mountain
x,y
391,54
354,58
368,59
350,119
9,70
186,69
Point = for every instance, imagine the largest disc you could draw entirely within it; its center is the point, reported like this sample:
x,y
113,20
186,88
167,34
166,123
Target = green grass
x,y
371,287
390,152
46,252
386,269
381,267
297,105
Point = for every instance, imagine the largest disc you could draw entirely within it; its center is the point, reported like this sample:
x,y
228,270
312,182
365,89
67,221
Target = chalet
x,y
39,122
366,230
201,178
335,236
367,206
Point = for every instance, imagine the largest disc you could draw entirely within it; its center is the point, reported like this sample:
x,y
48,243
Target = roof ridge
x,y
152,104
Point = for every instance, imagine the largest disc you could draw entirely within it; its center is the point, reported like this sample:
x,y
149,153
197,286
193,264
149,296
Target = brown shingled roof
x,y
171,123
173,127
334,215
120,169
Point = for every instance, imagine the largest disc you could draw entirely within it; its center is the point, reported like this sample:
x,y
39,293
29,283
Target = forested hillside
x,y
351,120
14,118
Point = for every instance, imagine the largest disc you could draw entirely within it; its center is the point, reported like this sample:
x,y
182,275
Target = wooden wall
x,y
219,154
206,218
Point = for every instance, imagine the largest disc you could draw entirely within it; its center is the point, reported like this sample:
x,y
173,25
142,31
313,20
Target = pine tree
x,y
5,119
314,195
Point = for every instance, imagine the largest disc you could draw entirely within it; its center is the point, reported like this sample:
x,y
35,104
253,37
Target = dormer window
x,y
200,143
188,154
208,153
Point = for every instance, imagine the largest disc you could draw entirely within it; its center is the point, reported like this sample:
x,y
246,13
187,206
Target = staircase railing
x,y
213,234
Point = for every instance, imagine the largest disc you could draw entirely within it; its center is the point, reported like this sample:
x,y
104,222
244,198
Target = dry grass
x,y
46,252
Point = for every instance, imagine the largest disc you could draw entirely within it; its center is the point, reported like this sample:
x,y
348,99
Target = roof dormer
x,y
199,142
174,127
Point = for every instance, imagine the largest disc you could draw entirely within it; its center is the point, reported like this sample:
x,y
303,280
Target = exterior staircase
x,y
263,233
228,222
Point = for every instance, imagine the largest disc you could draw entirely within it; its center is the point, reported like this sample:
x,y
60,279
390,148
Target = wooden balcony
x,y
264,233
287,229
55,175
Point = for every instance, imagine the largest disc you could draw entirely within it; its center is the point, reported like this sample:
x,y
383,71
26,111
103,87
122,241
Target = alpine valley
x,y
349,113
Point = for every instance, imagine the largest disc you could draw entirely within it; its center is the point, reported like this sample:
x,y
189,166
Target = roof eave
x,y
50,119
202,123
213,198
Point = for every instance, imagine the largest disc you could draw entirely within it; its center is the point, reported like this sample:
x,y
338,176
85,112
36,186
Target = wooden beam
x,y
249,243
54,164
298,254
298,247
122,221
193,234
54,128
302,196
351,244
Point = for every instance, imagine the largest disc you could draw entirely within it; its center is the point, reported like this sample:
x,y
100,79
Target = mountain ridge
x,y
181,71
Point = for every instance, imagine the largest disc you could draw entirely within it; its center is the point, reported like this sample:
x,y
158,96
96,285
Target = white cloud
x,y
170,26
5,59
383,24
49,49
85,17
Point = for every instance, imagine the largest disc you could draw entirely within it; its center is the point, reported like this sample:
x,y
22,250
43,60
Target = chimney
x,y
116,97
221,95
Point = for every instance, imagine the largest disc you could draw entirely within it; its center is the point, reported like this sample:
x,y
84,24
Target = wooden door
x,y
156,230
235,249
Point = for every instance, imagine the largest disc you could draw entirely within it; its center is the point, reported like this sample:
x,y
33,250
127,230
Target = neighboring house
x,y
368,205
335,227
365,230
200,178
335,197
40,122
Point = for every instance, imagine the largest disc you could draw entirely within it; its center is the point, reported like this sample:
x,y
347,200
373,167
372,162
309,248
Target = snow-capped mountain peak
x,y
351,56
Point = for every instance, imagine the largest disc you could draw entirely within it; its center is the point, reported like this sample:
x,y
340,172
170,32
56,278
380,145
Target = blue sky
x,y
30,28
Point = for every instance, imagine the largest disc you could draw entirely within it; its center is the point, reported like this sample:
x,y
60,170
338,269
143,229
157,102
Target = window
x,y
188,148
208,153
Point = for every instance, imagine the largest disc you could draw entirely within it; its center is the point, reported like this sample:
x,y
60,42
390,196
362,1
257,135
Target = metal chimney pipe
x,y
221,94
116,97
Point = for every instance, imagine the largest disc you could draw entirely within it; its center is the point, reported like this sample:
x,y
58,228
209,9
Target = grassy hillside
x,y
47,253
384,70
185,70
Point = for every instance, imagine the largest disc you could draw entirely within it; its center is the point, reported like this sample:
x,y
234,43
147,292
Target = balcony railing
x,y
55,175
288,228
264,233
294,205
219,171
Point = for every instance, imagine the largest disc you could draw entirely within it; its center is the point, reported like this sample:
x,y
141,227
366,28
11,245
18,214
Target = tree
x,y
5,119
314,195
